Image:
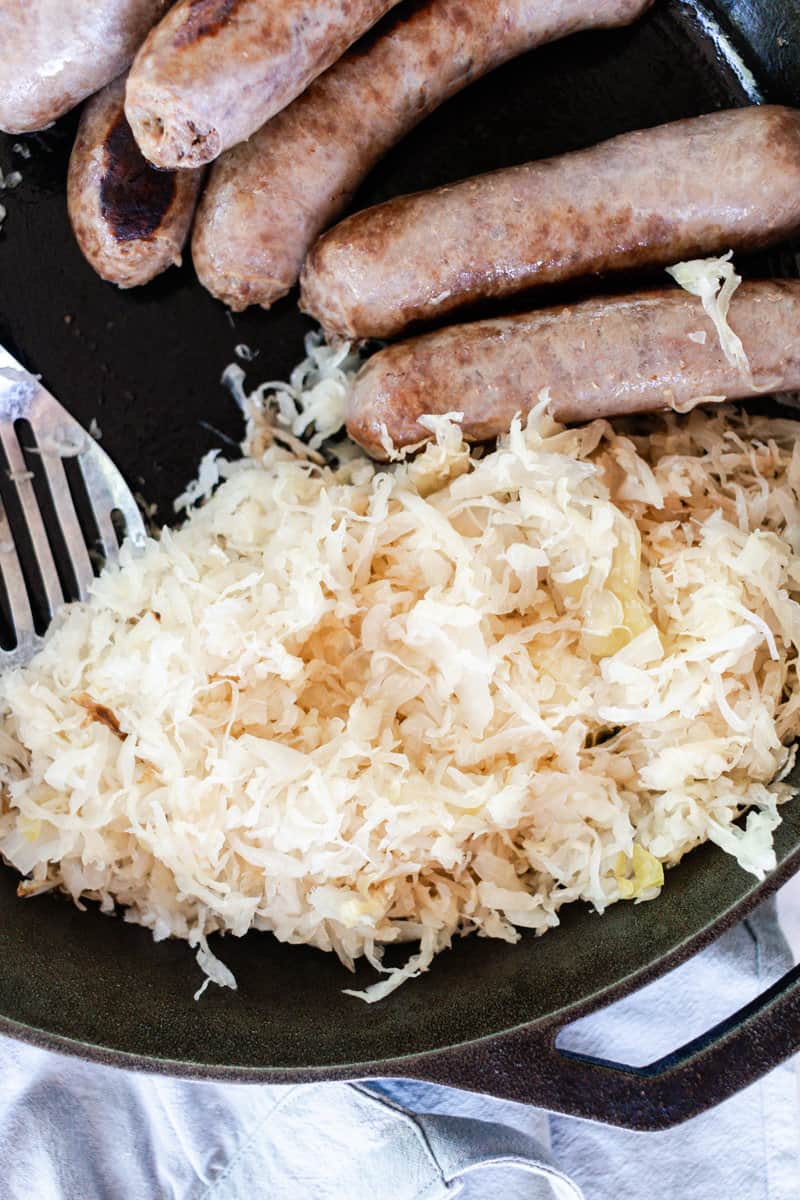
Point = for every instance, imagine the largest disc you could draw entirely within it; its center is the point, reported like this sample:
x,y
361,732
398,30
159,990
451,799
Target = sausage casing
x,y
728,180
57,52
130,220
214,71
269,198
604,357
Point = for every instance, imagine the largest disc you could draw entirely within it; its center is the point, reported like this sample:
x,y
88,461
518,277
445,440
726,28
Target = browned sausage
x,y
130,220
700,186
601,358
57,52
214,71
268,198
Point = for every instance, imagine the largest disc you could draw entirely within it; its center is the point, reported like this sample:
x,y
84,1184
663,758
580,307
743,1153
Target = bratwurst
x,y
57,52
687,189
214,71
129,219
269,198
601,358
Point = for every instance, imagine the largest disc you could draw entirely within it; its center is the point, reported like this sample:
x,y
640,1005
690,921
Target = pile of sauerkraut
x,y
358,706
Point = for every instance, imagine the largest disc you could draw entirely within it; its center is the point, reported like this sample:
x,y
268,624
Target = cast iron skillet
x,y
147,366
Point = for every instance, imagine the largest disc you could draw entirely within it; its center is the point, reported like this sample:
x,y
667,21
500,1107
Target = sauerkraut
x,y
714,281
359,706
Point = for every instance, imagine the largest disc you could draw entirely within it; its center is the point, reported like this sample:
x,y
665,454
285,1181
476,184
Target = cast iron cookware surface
x,y
146,365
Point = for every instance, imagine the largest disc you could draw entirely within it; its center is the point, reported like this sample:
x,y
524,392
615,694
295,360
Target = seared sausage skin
x,y
269,198
57,52
214,71
130,220
600,358
693,187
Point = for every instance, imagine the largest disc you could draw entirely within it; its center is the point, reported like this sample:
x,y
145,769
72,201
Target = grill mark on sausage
x,y
406,16
781,138
204,19
134,197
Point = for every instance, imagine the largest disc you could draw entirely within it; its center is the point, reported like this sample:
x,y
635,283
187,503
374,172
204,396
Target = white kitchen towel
x,y
78,1131
746,1149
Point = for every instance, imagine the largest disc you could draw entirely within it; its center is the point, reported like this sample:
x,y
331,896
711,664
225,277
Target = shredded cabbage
x,y
312,405
360,707
715,280
200,489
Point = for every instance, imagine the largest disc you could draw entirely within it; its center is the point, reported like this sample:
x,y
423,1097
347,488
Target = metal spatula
x,y
64,508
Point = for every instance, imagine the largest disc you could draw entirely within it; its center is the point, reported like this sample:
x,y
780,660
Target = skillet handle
x,y
527,1066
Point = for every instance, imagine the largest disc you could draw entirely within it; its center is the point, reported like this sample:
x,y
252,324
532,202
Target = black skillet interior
x,y
147,365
